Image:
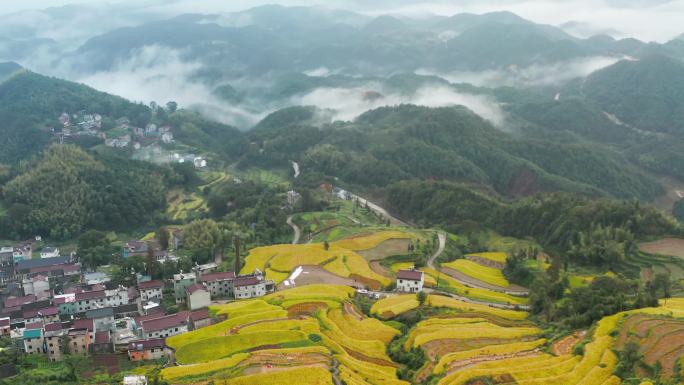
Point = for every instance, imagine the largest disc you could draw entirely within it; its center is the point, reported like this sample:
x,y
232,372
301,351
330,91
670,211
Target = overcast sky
x,y
658,20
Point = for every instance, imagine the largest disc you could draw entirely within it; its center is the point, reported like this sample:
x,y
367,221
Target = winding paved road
x,y
297,231
379,210
442,244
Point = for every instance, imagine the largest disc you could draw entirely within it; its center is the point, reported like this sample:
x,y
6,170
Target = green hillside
x,y
395,143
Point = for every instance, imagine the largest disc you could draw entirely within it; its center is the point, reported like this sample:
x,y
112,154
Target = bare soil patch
x,y
388,248
666,246
365,358
380,269
313,274
365,282
352,311
485,262
565,345
305,309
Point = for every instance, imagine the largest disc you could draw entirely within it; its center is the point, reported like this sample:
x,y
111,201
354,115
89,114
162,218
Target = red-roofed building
x,y
98,299
249,287
45,315
410,281
151,290
16,302
152,349
166,326
219,284
200,318
87,324
102,343
139,320
53,327
197,296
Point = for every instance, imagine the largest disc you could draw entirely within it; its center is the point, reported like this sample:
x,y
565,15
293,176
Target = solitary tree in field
x,y
421,296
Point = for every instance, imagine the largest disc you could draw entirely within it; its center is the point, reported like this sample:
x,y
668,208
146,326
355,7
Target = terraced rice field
x,y
340,259
498,257
450,284
523,362
490,275
288,337
660,339
299,336
393,306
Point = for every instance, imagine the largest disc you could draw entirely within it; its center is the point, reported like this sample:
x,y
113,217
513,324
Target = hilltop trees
x,y
95,249
204,238
67,190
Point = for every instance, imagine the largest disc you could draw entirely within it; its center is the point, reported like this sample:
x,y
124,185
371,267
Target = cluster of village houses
x,y
89,315
147,140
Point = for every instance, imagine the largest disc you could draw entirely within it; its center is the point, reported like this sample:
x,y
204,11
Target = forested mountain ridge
x,y
404,142
646,93
65,191
306,38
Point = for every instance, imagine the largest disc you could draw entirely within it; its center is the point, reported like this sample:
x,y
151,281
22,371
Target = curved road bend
x,y
379,210
297,231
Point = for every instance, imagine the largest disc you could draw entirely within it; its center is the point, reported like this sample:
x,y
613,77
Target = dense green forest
x,y
66,191
597,232
647,93
390,144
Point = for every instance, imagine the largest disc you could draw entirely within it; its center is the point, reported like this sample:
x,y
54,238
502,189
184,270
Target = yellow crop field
x,y
370,372
276,276
504,366
312,293
614,380
350,377
492,350
285,258
371,348
437,324
448,302
402,266
218,347
303,350
492,256
293,302
470,331
393,306
483,273
371,241
474,293
304,375
366,329
236,308
306,325
173,373
222,328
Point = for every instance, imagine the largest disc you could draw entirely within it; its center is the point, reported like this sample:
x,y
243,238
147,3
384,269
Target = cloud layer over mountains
x,y
159,73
